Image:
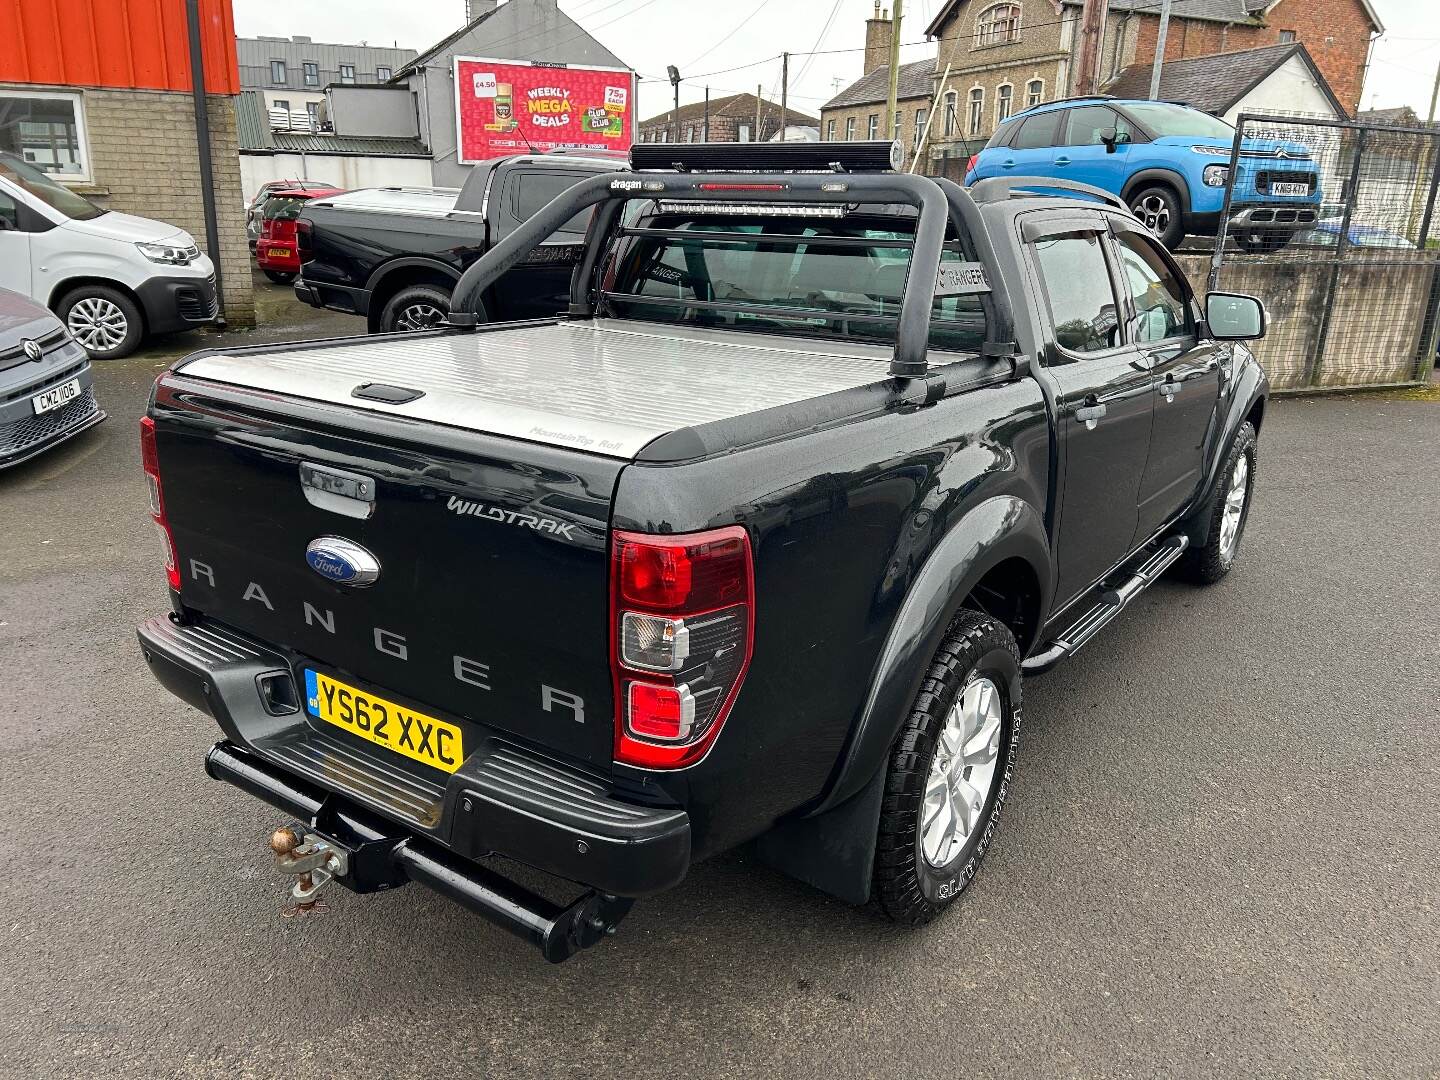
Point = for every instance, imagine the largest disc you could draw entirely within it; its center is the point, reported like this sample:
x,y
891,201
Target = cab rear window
x,y
827,278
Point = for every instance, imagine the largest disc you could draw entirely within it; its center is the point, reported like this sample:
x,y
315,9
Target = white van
x,y
112,278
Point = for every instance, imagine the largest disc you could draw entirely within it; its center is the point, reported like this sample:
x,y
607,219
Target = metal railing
x,y
1354,292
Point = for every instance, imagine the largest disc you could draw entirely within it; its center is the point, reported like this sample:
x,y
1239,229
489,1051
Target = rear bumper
x,y
506,799
335,297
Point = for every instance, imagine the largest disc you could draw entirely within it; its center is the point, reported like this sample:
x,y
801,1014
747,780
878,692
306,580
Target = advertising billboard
x,y
506,107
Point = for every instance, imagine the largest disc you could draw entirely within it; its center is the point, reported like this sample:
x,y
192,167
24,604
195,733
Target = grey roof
x,y
1216,82
916,81
1404,116
253,135
738,104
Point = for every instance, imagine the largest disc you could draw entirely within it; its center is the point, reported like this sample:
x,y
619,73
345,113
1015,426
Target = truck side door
x,y
14,246
1104,397
540,285
1185,374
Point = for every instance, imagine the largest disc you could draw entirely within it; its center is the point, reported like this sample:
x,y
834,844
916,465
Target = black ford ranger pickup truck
x,y
753,544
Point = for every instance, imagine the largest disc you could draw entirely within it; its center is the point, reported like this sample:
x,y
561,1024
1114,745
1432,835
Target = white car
x,y
112,278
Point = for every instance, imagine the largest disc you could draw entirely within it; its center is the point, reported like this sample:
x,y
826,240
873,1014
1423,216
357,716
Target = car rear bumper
x,y
505,799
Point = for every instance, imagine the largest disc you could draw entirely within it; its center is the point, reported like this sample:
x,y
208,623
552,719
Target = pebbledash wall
x,y
143,156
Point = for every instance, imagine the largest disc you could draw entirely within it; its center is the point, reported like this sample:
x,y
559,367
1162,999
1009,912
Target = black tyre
x,y
949,771
280,277
1158,207
104,320
1211,561
416,307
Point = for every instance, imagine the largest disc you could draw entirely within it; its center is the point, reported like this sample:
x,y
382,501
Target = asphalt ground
x,y
1221,856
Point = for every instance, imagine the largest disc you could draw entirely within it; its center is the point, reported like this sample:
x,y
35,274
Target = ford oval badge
x,y
342,561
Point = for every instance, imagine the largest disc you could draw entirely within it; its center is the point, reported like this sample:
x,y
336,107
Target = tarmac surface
x,y
1221,855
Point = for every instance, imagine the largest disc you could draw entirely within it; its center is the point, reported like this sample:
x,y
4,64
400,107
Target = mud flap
x,y
833,851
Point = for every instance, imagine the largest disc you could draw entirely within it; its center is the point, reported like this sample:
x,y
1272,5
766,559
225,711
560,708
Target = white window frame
x,y
850,129
340,74
306,68
919,124
872,126
952,113
82,133
991,33
383,73
1038,98
975,113
284,79
830,130
1009,102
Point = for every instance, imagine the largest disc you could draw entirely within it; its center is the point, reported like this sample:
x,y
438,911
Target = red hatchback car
x,y
276,251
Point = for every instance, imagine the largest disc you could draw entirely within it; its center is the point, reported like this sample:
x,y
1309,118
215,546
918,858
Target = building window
x,y
281,103
347,73
1287,36
951,120
744,133
919,125
977,110
1003,95
312,109
277,72
895,131
830,131
997,25
849,129
1034,93
872,126
47,131
383,73
312,72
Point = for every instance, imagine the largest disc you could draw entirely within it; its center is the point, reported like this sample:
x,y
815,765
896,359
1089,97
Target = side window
x,y
1077,283
1039,132
1161,309
532,190
1089,122
9,214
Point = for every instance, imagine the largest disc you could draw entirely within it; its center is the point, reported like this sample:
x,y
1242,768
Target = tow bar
x,y
337,841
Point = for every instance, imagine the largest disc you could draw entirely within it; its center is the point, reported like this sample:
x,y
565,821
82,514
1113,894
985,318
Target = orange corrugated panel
x,y
123,44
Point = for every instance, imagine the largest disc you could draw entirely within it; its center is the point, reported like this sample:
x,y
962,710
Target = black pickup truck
x,y
393,255
752,544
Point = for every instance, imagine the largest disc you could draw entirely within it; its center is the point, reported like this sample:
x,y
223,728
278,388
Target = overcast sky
x,y
706,39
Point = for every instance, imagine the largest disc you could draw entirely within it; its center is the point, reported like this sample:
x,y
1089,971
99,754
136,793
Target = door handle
x,y
1170,387
1007,164
1062,161
1090,411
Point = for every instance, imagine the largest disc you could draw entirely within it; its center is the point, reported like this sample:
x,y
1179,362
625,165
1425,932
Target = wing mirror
x,y
1113,139
1234,316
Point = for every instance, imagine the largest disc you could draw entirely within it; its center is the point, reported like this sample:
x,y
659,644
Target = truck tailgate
x,y
491,601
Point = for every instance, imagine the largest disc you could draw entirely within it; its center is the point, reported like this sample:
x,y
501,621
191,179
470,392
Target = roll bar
x,y
913,329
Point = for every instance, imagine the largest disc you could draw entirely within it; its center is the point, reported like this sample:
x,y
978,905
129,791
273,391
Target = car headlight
x,y
1211,151
170,254
1216,175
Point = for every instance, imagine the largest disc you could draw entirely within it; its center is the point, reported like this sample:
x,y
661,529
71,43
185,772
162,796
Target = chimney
x,y
475,8
877,39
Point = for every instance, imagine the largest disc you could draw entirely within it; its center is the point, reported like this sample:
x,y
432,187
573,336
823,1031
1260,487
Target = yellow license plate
x,y
422,738
279,253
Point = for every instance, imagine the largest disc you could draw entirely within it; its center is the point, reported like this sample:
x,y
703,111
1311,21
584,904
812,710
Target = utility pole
x,y
759,89
674,74
707,114
1159,50
784,92
1435,93
1092,21
892,102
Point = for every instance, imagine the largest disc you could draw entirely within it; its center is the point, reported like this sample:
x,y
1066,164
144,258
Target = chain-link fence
x,y
1332,224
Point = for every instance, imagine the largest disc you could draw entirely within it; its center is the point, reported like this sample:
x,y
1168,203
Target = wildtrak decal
x,y
511,517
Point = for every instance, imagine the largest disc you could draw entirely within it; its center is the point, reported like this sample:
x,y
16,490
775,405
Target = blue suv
x,y
1168,162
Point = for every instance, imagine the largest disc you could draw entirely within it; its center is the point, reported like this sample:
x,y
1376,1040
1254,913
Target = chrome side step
x,y
1110,603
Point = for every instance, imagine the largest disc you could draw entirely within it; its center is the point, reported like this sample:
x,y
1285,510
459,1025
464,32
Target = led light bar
x,y
870,156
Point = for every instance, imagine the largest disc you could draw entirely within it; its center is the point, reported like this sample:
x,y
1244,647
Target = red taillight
x,y
302,240
681,624
970,165
150,462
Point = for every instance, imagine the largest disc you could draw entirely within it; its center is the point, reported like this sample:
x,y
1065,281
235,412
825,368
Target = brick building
x,y
99,96
732,119
1006,55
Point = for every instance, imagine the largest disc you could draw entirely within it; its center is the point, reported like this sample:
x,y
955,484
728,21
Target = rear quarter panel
x,y
841,521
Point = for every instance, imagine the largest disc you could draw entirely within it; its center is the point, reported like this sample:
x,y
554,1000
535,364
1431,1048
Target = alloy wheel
x,y
1234,510
98,324
1153,211
961,772
419,316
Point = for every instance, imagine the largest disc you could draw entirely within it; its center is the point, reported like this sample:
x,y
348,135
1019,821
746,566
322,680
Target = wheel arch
x,y
1249,401
998,546
387,280
1169,177
64,288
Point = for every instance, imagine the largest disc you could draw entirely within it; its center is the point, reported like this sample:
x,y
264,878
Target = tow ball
x,y
313,862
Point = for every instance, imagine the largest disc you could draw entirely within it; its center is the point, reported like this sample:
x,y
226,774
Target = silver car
x,y
46,393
